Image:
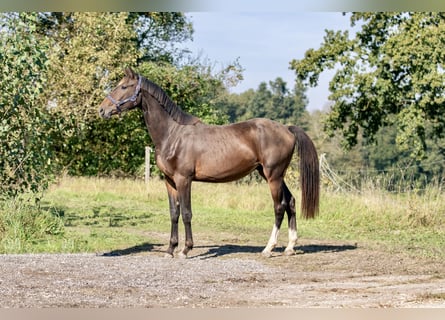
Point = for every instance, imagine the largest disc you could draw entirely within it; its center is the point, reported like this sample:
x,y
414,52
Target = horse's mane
x,y
164,100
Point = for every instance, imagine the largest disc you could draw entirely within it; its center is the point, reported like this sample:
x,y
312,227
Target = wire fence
x,y
393,180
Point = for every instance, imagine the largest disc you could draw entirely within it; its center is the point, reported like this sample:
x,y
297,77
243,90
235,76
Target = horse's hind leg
x,y
276,189
289,201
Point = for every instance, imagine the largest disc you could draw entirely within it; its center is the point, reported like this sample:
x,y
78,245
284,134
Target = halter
x,y
133,98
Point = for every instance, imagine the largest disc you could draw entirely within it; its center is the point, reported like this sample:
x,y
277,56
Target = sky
x,y
264,43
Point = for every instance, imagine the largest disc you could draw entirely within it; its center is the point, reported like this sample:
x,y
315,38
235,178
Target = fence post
x,y
147,164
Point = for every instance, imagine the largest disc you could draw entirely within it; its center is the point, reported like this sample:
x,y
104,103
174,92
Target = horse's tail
x,y
309,173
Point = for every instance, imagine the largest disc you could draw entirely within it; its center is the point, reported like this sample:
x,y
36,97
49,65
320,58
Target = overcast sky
x,y
265,43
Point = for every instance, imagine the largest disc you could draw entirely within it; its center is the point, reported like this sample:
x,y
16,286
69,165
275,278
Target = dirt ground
x,y
321,274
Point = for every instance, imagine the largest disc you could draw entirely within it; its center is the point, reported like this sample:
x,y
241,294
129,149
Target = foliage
x,y
381,163
391,72
86,59
158,33
23,226
89,50
57,70
25,125
273,100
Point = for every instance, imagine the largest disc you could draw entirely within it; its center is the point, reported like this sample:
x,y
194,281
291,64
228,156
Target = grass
x,y
407,222
92,214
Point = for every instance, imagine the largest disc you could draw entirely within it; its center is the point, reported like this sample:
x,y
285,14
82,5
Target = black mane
x,y
172,109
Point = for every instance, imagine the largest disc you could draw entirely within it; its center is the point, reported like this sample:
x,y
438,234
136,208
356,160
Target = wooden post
x,y
147,164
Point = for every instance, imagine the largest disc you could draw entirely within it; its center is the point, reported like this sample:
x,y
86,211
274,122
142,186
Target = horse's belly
x,y
224,169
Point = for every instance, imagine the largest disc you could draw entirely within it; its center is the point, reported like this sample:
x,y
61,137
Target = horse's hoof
x,y
289,252
182,255
266,254
168,255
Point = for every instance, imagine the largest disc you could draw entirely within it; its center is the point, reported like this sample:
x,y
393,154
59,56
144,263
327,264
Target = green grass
x,y
402,223
94,215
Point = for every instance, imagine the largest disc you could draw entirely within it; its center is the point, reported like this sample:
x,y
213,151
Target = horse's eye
x,y
124,87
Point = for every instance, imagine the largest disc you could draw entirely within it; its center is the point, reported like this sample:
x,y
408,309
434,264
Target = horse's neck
x,y
159,123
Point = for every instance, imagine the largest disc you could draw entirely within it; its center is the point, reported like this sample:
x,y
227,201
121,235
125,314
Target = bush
x,y
23,225
25,144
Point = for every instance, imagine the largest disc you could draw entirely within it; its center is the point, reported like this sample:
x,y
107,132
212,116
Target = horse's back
x,y
273,136
228,152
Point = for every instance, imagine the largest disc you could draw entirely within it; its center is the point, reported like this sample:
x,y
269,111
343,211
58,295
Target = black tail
x,y
309,173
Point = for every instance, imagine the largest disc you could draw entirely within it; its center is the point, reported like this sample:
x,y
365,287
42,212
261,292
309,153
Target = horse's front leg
x,y
184,195
174,216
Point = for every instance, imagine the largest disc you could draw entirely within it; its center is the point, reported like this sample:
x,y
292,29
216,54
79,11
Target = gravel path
x,y
322,275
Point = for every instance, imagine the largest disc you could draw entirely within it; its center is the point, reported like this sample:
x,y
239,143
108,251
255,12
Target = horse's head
x,y
124,97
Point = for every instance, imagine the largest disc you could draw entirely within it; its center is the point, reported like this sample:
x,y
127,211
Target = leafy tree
x,y
287,106
261,103
87,57
197,88
391,72
159,32
234,106
154,34
25,125
88,51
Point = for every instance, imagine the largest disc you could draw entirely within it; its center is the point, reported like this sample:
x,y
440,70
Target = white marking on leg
x,y
293,237
273,240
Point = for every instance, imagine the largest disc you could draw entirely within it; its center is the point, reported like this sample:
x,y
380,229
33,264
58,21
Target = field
x,y
91,214
106,241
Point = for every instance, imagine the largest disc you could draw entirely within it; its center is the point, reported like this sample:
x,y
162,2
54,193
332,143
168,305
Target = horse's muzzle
x,y
104,114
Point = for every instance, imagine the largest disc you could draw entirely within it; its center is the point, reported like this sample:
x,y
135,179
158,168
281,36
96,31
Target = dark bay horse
x,y
188,150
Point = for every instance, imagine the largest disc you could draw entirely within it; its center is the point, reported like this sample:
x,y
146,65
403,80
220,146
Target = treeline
x,y
273,100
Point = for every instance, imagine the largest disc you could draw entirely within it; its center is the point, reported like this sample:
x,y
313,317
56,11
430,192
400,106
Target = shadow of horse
x,y
214,251
144,247
218,251
316,248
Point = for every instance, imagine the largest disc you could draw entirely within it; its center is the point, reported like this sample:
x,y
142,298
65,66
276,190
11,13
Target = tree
x,y
234,106
391,72
159,32
87,58
90,49
25,125
261,103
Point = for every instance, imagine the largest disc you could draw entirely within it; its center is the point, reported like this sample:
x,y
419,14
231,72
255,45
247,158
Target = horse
x,y
187,150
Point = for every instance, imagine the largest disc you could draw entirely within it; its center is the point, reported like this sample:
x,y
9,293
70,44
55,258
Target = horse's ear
x,y
130,73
